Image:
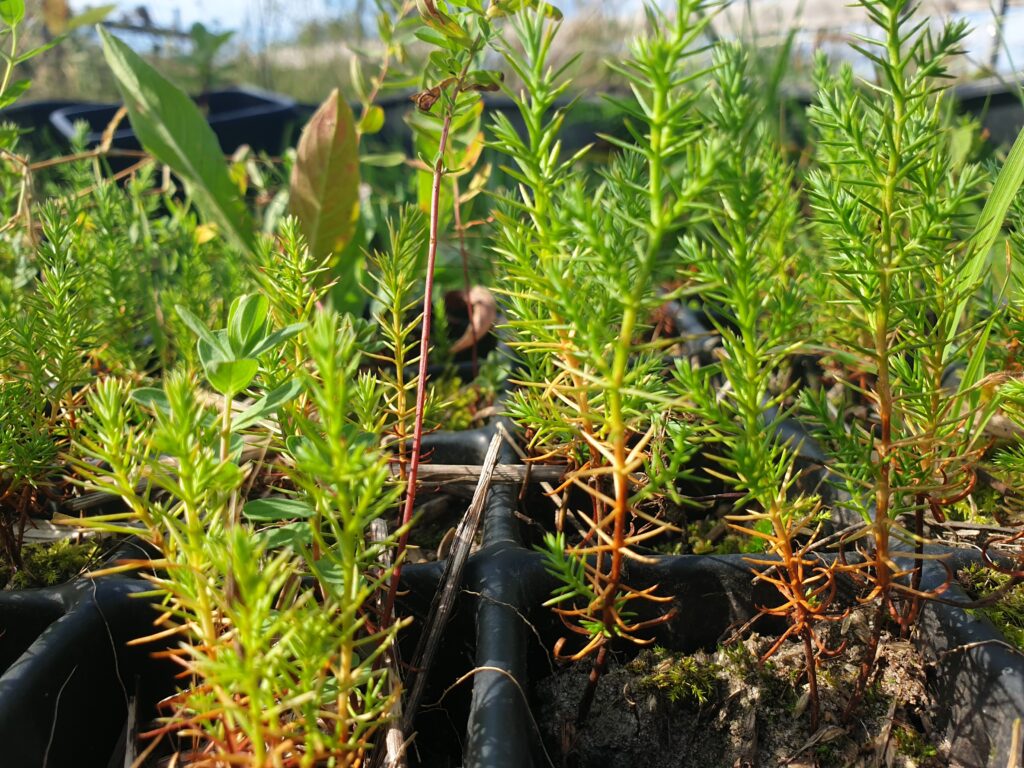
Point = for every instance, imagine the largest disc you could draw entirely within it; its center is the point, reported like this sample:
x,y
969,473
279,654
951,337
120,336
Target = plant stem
x,y
880,528
421,382
608,586
10,60
231,513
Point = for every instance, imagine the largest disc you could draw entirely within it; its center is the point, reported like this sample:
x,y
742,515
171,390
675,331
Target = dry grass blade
x,y
451,580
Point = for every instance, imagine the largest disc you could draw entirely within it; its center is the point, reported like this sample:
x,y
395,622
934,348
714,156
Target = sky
x,y
257,21
236,14
218,15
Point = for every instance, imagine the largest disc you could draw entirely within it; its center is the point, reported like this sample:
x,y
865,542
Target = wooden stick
x,y
430,474
501,473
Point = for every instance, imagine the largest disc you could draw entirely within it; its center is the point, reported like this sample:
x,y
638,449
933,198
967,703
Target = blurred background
x,y
303,48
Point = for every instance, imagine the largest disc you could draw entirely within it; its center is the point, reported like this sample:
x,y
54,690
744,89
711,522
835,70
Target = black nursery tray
x,y
975,672
237,116
71,686
69,672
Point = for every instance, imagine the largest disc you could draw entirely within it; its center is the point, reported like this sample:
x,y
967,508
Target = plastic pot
x,y
980,677
69,671
33,117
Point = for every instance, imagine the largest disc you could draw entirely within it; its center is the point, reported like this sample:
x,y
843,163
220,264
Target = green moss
x,y
744,664
1007,614
826,754
48,564
681,678
913,744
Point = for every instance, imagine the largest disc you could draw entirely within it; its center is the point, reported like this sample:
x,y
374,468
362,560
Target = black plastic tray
x,y
265,121
69,682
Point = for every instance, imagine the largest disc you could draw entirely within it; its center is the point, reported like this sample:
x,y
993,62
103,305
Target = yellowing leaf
x,y
204,233
325,178
240,176
372,120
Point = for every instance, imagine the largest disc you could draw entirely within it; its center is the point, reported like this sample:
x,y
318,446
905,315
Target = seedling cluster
x,y
246,381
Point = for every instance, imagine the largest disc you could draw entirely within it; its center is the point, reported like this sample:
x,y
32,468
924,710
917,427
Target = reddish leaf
x,y
325,178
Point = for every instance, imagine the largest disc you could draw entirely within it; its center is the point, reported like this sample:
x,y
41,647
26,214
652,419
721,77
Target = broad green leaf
x,y
384,160
432,38
293,535
31,53
276,508
198,327
14,92
277,337
90,16
151,397
989,226
267,404
229,377
170,125
247,323
325,178
500,8
12,11
210,354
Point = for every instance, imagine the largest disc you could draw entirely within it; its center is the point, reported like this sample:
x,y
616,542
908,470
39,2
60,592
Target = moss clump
x,y
681,678
48,564
1007,614
913,744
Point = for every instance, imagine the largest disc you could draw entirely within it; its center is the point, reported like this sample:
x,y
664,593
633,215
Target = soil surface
x,y
663,710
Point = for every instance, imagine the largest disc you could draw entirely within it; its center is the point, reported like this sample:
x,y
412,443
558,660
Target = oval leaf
x,y
325,178
276,508
294,535
267,404
171,127
372,120
229,377
12,11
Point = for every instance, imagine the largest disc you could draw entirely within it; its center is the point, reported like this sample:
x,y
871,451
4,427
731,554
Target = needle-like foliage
x,y
267,600
582,263
891,206
744,265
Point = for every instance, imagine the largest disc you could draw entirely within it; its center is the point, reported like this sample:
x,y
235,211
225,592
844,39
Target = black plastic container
x,y
67,672
265,121
997,104
980,678
33,117
72,680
